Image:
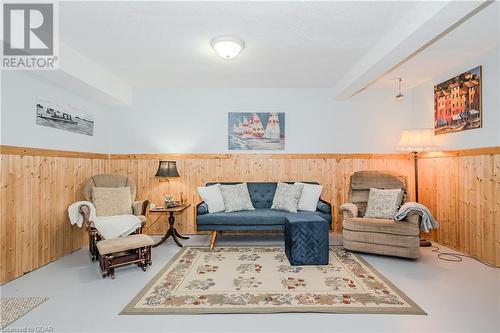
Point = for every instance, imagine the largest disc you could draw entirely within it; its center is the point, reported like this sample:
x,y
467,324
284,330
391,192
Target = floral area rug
x,y
261,280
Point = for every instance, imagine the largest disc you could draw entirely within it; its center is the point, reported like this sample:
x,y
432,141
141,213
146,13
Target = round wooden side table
x,y
171,231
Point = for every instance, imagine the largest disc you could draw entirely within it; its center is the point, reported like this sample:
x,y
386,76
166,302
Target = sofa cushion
x,y
287,197
310,197
236,197
383,204
261,217
381,226
212,197
255,217
261,193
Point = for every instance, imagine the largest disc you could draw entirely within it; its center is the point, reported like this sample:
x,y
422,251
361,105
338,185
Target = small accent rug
x,y
11,309
260,280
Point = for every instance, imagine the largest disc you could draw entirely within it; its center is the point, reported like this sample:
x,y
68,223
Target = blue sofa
x,y
263,218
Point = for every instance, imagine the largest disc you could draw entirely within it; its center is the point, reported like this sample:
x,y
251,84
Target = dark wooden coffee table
x,y
171,231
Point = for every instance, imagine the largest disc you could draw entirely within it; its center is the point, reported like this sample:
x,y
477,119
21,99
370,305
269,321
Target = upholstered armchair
x,y
139,208
380,236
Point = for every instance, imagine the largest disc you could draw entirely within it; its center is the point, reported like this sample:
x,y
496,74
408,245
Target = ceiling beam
x,y
79,73
416,31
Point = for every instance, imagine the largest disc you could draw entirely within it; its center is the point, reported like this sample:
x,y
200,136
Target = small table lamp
x,y
167,169
414,141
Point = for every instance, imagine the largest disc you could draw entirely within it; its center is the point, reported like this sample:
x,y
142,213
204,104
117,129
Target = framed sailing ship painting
x,y
457,103
64,117
256,131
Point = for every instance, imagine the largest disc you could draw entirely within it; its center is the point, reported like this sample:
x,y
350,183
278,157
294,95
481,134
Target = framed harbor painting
x,y
256,131
457,103
64,117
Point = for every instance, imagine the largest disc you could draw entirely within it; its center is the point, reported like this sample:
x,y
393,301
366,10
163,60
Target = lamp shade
x,y
167,169
417,140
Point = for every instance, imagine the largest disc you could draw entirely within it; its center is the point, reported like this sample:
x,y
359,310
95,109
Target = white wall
x,y
18,108
195,120
488,135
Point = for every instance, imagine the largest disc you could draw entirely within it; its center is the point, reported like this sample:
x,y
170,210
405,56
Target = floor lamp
x,y
415,141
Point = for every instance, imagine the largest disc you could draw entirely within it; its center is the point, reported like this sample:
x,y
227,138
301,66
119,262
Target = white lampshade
x,y
417,140
227,47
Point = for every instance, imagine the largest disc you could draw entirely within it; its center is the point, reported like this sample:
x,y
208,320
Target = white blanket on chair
x,y
75,217
427,221
110,227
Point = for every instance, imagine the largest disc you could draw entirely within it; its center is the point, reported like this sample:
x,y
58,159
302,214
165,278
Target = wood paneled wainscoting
x,y
333,171
462,189
37,185
36,189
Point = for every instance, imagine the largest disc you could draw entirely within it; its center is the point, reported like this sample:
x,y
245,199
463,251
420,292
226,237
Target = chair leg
x,y
213,240
102,266
109,269
149,260
92,246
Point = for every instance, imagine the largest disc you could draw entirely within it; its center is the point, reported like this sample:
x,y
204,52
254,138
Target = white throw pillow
x,y
236,197
383,204
212,196
309,197
287,197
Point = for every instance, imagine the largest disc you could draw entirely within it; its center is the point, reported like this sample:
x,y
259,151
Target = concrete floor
x,y
458,297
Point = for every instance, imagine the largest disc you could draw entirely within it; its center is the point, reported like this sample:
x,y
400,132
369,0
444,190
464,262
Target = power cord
x,y
456,257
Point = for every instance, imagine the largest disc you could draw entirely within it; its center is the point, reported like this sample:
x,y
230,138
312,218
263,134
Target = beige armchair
x,y
380,236
139,208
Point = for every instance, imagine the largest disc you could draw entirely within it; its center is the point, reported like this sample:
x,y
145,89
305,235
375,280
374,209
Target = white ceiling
x,y
288,44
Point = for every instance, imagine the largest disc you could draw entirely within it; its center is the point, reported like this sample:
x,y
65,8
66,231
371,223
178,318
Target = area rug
x,y
13,308
261,280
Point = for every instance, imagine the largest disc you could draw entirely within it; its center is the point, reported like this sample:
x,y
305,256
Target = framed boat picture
x,y
457,103
256,131
64,117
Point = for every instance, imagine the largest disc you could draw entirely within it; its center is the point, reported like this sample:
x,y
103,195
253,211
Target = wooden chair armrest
x,y
85,211
140,207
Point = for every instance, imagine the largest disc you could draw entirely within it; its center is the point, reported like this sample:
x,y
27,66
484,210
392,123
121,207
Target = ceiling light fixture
x,y
227,47
400,96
